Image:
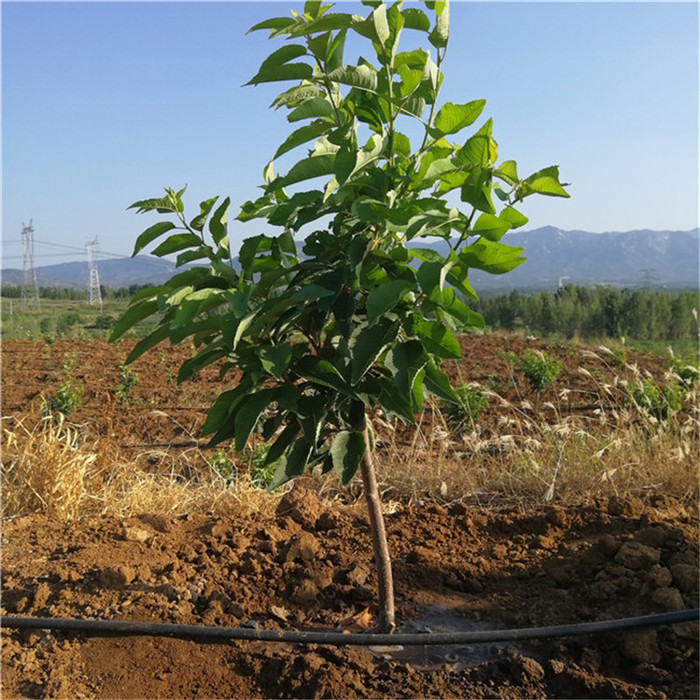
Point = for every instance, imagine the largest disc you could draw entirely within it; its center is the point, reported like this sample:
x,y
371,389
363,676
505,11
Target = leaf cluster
x,y
350,320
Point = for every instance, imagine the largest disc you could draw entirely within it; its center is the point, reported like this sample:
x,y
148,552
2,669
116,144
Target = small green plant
x,y
128,379
261,474
104,322
657,402
686,372
65,323
69,395
472,402
539,369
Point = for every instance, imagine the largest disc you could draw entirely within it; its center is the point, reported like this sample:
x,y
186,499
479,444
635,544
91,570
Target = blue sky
x,y
104,103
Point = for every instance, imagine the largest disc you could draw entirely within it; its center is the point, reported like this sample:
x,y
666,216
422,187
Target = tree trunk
x,y
382,559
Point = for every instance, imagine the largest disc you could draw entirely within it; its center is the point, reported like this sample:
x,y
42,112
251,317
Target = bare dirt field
x,y
480,558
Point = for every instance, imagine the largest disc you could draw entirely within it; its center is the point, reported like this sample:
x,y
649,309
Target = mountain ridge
x,y
620,258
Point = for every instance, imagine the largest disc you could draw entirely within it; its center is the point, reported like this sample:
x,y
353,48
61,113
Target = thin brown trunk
x,y
387,623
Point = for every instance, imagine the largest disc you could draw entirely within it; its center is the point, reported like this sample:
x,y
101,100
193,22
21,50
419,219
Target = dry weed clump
x,y
54,469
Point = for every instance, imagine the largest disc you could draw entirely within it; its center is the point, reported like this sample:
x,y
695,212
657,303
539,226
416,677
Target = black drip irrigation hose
x,y
208,633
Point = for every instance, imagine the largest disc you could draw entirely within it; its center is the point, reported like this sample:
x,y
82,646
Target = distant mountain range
x,y
623,259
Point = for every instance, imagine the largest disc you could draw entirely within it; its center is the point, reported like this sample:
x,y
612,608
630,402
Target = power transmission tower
x,y
94,295
28,271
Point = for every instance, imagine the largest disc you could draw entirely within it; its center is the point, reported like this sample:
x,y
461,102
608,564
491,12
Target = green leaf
x,y
438,340
513,217
217,223
176,242
466,318
135,313
273,23
151,340
248,412
292,464
431,278
319,371
150,234
415,19
507,171
276,67
385,297
303,135
491,227
437,383
316,107
546,182
347,451
441,32
381,26
453,118
495,258
405,360
275,358
362,76
368,344
306,169
205,207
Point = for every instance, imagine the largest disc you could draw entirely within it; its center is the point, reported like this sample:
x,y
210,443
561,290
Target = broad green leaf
x,y
272,23
385,297
368,344
381,26
217,223
275,358
205,207
546,182
275,66
347,451
222,408
150,341
438,340
319,371
303,135
248,412
441,32
437,383
513,217
507,171
150,234
306,169
467,319
491,227
415,19
317,107
135,313
405,360
283,441
363,76
176,242
431,278
495,258
292,464
453,118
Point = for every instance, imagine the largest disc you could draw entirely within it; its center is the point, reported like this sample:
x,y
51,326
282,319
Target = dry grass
x,y
50,468
535,454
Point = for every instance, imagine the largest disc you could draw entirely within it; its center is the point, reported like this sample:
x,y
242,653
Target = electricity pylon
x,y
28,271
94,295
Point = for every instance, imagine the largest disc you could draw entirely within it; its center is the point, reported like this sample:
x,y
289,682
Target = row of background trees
x,y
595,312
586,312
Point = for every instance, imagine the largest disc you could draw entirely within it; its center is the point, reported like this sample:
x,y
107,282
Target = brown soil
x,y
605,559
311,568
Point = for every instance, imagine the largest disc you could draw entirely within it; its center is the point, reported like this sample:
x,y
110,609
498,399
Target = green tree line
x,y
595,312
14,291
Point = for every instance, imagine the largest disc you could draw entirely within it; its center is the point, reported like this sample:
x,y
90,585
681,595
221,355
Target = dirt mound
x,y
604,559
